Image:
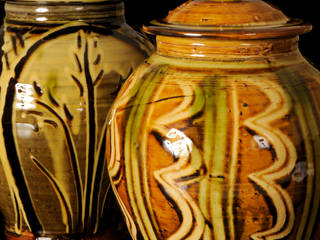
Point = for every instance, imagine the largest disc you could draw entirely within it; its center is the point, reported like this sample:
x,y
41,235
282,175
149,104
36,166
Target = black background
x,y
139,12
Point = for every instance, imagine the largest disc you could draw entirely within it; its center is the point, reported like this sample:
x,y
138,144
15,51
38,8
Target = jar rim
x,y
50,2
44,13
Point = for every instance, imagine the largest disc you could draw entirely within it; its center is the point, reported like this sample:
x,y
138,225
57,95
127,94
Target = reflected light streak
x,y
41,19
42,10
192,34
177,144
262,142
24,94
25,130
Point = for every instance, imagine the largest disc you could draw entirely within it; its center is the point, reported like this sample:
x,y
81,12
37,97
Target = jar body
x,y
219,148
58,81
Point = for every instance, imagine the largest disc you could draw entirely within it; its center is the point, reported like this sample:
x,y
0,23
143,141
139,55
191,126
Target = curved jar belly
x,y
58,80
222,146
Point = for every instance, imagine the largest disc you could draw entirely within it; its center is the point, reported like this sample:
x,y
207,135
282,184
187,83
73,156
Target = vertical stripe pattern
x,y
187,138
53,116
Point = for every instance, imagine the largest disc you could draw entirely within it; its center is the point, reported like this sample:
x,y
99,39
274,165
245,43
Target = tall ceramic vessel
x,y
217,135
62,65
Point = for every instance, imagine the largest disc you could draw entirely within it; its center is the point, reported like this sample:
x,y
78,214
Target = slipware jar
x,y
63,63
217,135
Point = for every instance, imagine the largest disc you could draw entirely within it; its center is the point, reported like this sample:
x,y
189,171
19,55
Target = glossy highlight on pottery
x,y
216,135
59,77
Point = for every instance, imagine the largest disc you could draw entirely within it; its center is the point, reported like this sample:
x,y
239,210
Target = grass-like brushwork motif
x,y
56,112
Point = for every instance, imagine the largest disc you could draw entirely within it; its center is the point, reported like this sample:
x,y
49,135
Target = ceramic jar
x,y
216,135
62,65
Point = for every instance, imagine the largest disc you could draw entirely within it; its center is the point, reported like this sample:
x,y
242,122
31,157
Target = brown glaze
x,y
217,135
226,13
233,49
108,234
23,236
249,19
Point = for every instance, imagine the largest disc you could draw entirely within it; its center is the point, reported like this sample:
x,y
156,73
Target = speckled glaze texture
x,y
219,138
58,79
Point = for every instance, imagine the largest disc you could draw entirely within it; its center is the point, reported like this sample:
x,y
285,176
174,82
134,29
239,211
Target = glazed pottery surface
x,y
62,66
216,135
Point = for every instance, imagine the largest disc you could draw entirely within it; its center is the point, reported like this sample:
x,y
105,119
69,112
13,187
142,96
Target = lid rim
x,y
293,28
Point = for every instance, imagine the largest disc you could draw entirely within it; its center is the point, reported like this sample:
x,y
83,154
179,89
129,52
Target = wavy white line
x,y
286,157
193,223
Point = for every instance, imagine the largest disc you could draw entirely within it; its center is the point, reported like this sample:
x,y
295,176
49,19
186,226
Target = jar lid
x,y
241,19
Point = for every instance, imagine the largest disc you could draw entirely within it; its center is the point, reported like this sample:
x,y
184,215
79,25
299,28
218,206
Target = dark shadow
x,y
2,228
112,222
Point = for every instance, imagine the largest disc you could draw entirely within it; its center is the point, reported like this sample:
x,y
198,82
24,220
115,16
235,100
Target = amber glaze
x,y
217,137
62,66
236,19
215,49
226,13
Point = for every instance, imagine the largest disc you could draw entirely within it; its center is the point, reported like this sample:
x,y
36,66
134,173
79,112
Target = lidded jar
x,y
63,63
216,136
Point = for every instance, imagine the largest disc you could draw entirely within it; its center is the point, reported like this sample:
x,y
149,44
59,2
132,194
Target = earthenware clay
x,y
62,66
216,135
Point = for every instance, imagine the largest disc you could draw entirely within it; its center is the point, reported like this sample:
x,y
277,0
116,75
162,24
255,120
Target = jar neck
x,y
51,13
225,49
